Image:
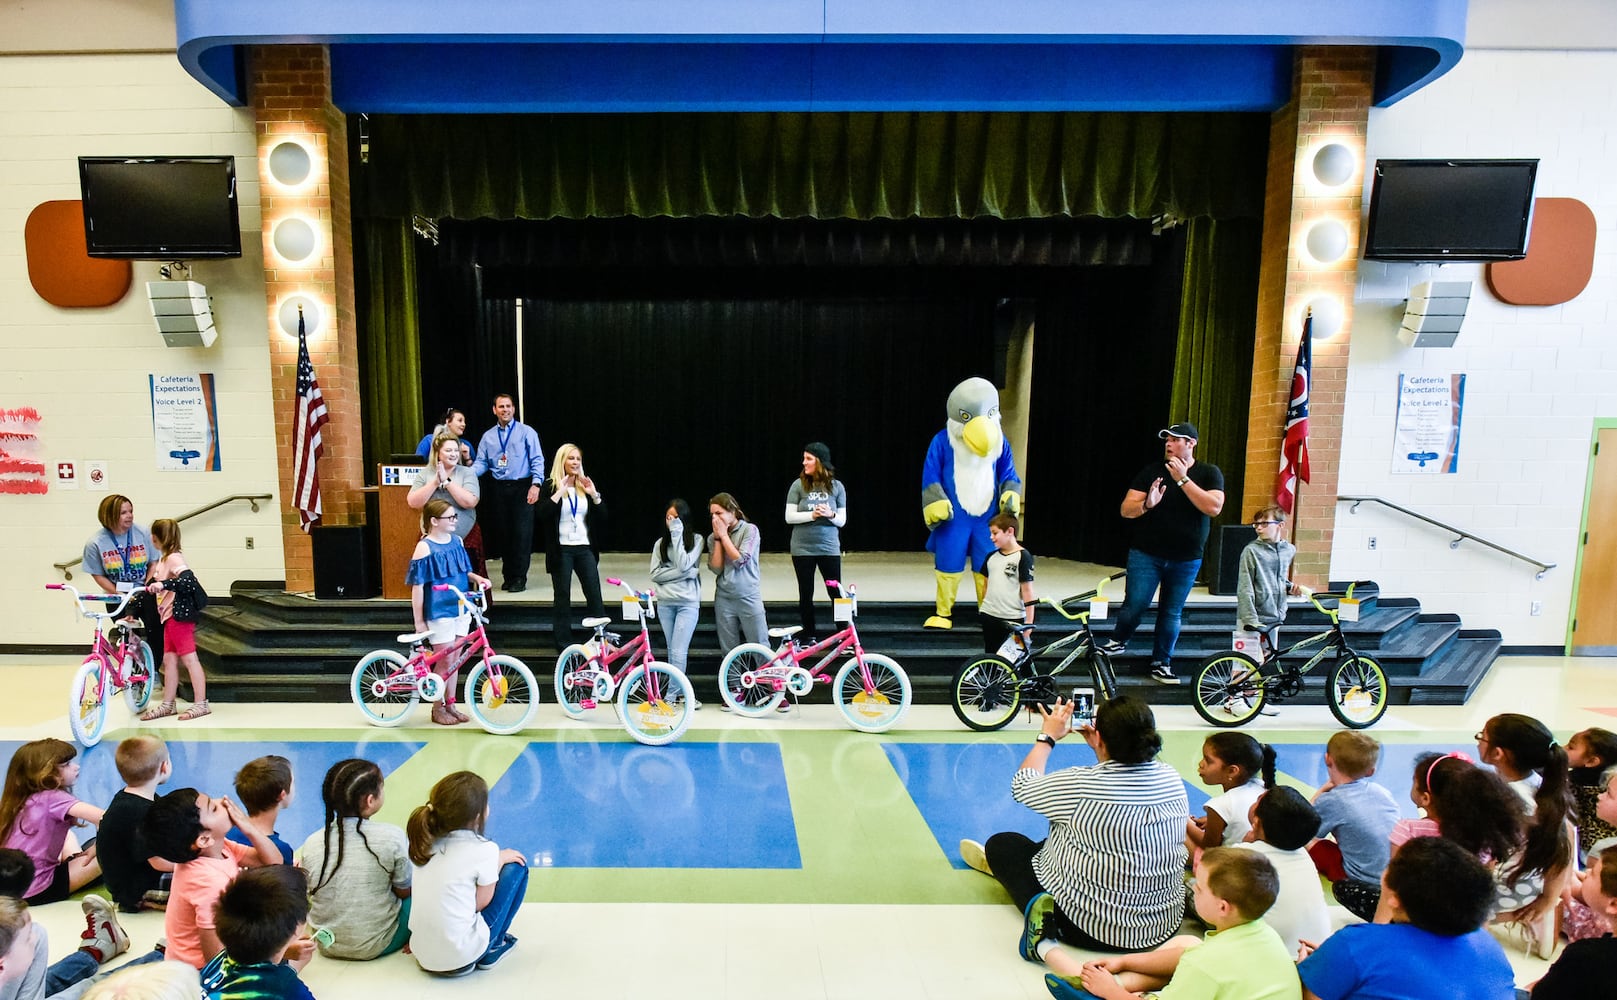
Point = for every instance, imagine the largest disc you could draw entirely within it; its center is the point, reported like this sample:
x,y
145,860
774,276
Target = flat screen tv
x,y
160,207
1441,210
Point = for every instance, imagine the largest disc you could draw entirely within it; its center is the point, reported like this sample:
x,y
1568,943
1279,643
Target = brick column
x,y
1331,96
290,88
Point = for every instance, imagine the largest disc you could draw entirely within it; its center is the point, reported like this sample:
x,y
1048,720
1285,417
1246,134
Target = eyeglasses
x,y
1481,737
1259,524
447,517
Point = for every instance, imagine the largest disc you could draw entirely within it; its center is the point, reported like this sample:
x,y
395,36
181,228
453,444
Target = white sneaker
x,y
972,854
103,937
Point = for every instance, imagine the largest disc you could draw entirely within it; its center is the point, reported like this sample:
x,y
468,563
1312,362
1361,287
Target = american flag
x,y
1294,449
306,443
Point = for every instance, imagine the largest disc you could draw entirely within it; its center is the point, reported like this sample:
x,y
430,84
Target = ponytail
x,y
1253,758
1532,748
458,801
1268,768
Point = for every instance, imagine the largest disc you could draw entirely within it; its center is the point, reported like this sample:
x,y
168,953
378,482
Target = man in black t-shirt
x,y
1173,501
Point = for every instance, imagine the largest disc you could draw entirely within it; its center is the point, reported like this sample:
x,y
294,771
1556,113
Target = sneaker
x,y
1066,988
496,952
696,704
1241,704
1034,919
1111,647
785,706
103,937
972,854
1163,674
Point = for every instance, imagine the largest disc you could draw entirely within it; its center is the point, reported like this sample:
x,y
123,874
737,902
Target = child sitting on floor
x,y
133,874
1588,754
1282,825
260,922
264,786
1241,766
1353,810
1242,958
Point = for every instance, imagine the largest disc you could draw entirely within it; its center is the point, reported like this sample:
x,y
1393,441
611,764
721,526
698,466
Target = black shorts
x,y
60,888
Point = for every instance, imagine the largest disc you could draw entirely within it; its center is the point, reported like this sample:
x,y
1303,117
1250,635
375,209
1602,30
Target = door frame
x,y
1600,424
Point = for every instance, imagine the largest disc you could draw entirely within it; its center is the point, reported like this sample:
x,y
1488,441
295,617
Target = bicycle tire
x,y
86,704
1356,691
573,680
383,703
882,706
1100,669
504,707
758,700
661,720
990,686
1228,689
138,678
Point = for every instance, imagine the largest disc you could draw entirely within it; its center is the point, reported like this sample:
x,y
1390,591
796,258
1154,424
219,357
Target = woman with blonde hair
x,y
573,517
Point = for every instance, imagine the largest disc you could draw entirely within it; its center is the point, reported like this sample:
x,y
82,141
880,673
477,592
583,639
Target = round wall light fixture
x,y
294,239
1333,164
287,315
1327,312
1327,241
290,163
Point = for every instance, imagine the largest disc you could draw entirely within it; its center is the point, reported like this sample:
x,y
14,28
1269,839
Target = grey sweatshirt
x,y
1261,587
677,579
740,580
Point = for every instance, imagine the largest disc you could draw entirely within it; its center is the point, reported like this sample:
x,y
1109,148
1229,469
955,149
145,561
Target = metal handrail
x,y
66,568
1461,533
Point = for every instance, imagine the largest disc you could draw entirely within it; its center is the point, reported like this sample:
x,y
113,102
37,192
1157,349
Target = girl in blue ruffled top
x,y
441,558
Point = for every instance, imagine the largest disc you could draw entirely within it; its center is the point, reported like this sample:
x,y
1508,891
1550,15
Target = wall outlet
x,y
1372,541
249,541
1536,608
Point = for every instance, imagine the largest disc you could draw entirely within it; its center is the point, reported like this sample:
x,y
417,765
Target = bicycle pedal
x,y
587,703
822,678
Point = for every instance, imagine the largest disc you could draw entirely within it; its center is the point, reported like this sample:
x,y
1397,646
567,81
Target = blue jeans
x,y
678,622
502,909
1145,573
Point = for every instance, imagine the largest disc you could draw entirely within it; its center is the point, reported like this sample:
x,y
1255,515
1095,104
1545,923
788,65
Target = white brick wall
x,y
1537,377
86,370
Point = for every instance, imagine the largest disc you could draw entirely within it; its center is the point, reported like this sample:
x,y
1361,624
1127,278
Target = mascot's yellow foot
x,y
948,586
938,621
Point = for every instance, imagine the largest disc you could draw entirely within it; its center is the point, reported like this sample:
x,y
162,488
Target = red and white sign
x,y
67,476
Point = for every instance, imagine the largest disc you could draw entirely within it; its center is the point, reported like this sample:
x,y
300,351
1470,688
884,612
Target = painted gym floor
x,y
786,856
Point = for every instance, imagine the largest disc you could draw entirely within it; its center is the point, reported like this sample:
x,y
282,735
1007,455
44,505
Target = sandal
x,y
197,710
161,710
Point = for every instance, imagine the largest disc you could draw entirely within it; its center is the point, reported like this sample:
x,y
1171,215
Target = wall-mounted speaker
x,y
183,314
1434,312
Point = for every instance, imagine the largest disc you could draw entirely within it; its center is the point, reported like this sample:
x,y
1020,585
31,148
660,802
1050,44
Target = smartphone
x,y
1083,707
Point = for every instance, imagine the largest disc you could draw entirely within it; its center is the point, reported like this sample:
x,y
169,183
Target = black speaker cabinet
x,y
344,563
1228,541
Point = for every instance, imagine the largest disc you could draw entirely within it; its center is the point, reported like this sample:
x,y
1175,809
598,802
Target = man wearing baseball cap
x,y
1173,501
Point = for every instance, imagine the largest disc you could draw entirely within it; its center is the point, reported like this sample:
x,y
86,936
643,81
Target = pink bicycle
x,y
654,699
123,663
872,691
500,691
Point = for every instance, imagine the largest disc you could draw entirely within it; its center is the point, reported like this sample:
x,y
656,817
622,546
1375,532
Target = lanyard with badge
x,y
123,558
504,434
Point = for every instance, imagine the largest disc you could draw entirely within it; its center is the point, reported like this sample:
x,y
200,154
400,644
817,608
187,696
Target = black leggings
x,y
830,568
573,560
1010,858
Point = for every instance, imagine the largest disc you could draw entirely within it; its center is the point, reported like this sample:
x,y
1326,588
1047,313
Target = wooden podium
x,y
398,527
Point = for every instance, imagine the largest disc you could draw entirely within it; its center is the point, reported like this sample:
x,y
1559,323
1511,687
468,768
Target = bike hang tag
x,y
1098,608
1010,649
1347,610
842,609
1250,643
631,609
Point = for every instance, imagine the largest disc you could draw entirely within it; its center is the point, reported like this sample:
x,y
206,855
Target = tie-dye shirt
x,y
121,558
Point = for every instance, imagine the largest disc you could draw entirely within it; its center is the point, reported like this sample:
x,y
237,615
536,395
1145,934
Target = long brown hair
x,y
166,536
33,769
458,801
728,502
436,507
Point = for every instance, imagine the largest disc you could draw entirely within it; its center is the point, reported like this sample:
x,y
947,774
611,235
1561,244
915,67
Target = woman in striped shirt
x,y
1110,874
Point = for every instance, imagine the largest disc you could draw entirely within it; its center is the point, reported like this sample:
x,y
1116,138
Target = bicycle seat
x,y
781,633
1022,629
411,638
596,622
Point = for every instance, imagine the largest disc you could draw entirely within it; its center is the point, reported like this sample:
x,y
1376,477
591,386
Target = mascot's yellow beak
x,y
979,435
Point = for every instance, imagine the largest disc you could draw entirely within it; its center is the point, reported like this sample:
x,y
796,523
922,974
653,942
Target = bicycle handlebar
x,y
122,600
850,591
1060,605
642,595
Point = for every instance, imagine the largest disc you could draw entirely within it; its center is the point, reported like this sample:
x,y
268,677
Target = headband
x,y
1454,754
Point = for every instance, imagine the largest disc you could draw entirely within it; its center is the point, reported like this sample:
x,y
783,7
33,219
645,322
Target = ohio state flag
x,y
1294,449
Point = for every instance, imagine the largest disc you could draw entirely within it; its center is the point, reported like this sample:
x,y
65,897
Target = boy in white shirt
x,y
1283,823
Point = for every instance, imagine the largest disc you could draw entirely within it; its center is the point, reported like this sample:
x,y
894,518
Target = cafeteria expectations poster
x,y
1426,434
185,422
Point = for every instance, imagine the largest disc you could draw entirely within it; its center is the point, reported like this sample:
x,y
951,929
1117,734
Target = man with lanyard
x,y
510,452
1174,501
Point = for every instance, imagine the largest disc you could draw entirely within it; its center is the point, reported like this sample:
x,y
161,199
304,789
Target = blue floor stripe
x,y
622,805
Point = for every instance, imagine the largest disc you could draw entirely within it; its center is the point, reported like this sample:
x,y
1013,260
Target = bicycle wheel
x,y
86,708
1356,690
656,703
878,708
574,680
985,693
755,700
382,688
501,695
139,672
1100,667
1228,689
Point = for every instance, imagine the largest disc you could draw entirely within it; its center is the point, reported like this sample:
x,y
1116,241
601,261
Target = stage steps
x,y
267,645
